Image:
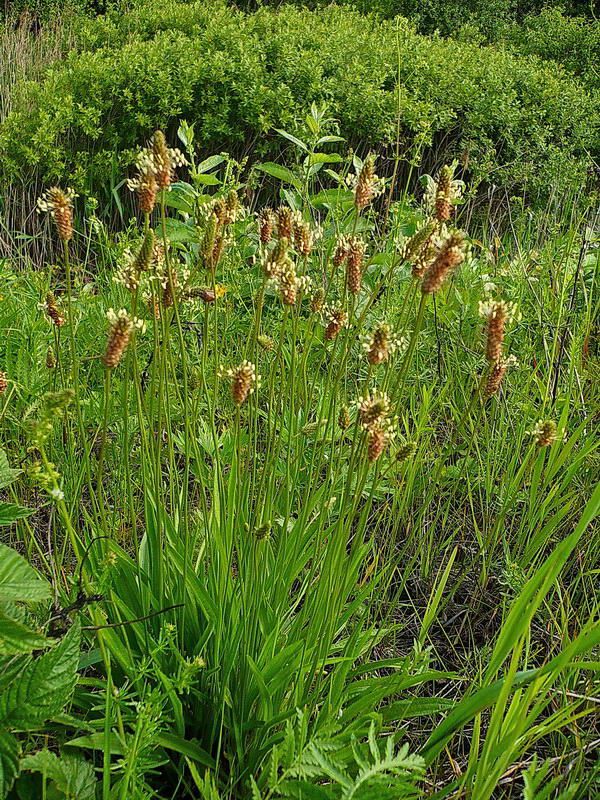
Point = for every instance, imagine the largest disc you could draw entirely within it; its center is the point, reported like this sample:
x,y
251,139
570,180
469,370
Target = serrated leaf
x,y
71,774
9,513
7,475
277,171
9,761
43,687
17,638
18,580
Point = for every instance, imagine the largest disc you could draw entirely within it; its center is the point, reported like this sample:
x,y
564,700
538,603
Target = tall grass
x,y
339,552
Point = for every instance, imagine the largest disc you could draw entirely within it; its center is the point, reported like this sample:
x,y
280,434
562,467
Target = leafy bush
x,y
511,120
573,42
448,16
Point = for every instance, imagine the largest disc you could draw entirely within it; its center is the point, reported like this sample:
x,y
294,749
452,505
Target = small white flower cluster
x,y
373,408
394,343
491,308
115,316
47,202
431,191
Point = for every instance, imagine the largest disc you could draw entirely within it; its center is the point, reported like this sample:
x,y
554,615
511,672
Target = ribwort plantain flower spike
x,y
545,433
120,334
244,381
451,254
59,204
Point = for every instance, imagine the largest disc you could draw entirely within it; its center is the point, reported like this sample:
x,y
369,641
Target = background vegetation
x,y
291,522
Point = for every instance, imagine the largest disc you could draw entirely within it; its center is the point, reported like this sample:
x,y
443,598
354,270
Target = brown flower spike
x,y
337,318
3,382
367,185
443,197
285,224
59,204
244,381
451,254
497,314
545,433
354,266
52,310
119,337
266,220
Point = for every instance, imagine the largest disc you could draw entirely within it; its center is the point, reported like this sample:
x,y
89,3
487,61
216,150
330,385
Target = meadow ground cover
x,y
300,498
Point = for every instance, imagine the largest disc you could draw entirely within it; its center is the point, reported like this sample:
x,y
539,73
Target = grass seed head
x,y
145,184
344,418
303,237
336,319
497,314
342,250
265,342
373,409
3,382
413,248
165,159
143,259
368,184
50,358
380,435
405,452
317,301
496,374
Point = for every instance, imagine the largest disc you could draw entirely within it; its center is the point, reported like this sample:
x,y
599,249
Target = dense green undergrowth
x,y
512,120
362,565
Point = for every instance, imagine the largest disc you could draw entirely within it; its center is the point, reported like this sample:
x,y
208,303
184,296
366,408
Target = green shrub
x,y
512,120
573,42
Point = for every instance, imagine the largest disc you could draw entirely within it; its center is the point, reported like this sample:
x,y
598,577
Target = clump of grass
x,y
308,459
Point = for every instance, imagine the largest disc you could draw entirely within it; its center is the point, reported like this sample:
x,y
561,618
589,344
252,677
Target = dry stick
x,y
561,347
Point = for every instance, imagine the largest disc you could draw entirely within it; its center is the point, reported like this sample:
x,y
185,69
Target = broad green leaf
x,y
325,158
43,687
333,197
181,196
293,139
18,580
277,171
9,513
209,163
208,180
17,638
179,232
97,741
70,773
7,475
9,761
